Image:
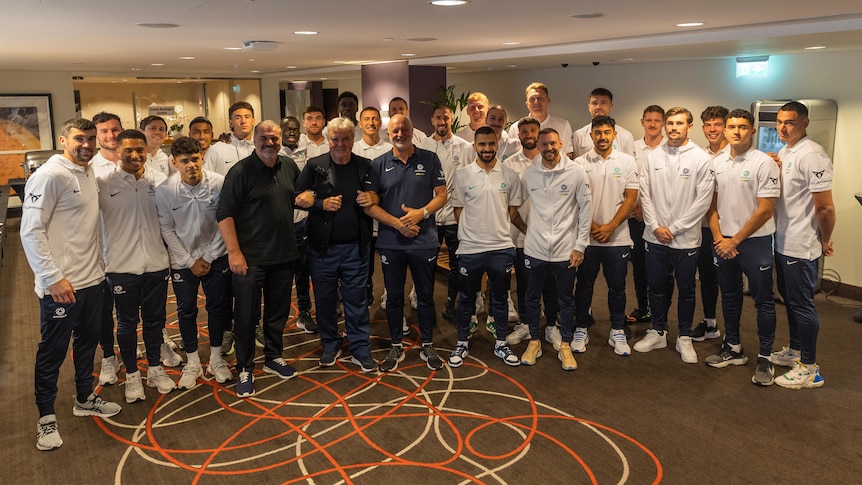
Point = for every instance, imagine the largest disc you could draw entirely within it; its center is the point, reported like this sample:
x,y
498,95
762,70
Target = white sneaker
x,y
653,340
580,340
553,337
47,434
405,327
220,370
480,302
157,378
686,350
383,300
414,300
168,340
787,357
108,371
139,354
168,357
519,333
513,314
618,341
134,388
191,372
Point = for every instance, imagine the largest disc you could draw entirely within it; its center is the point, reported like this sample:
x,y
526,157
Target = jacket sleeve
x,y
178,253
584,218
42,193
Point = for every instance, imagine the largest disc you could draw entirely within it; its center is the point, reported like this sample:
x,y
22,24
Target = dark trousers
x,y
347,264
613,260
797,279
450,235
549,291
300,268
682,263
217,290
708,276
755,260
140,298
498,264
563,278
274,282
422,263
106,326
639,272
58,323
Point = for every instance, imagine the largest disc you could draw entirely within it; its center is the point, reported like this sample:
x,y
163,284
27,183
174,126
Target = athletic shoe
x,y
365,363
108,371
449,310
96,406
168,340
686,350
654,339
328,357
787,357
513,314
219,370
305,322
279,367
168,357
533,352
405,327
490,326
763,373
580,340
191,372
139,353
383,300
519,333
703,331
390,363
619,342
474,324
134,389
245,384
480,302
259,339
457,357
567,360
801,376
553,337
506,354
47,434
429,354
227,346
639,316
725,357
157,379
414,300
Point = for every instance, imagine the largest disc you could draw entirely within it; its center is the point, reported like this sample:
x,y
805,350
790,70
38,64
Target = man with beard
x,y
313,143
601,102
61,239
241,121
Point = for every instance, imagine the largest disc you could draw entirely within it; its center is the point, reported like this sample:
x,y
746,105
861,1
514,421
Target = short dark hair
x,y
347,94
485,130
399,98
313,108
529,120
150,119
441,106
602,92
796,107
654,108
185,145
131,135
741,113
713,112
603,121
679,110
369,108
239,105
548,131
82,124
200,119
104,117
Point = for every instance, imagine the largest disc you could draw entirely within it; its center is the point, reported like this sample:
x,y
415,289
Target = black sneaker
x,y
763,373
259,339
639,316
365,363
227,346
390,363
449,310
703,331
328,357
305,322
725,357
429,355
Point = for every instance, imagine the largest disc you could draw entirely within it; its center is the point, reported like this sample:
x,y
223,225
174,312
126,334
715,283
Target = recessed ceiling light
x,y
233,48
629,59
690,24
408,55
815,47
306,32
255,71
323,79
187,58
157,64
156,25
137,69
290,67
251,60
421,39
511,65
593,15
511,43
386,39
448,3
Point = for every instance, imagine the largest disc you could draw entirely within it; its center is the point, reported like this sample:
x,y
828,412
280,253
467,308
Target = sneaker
x,y
245,384
168,340
763,373
365,363
801,376
191,372
306,323
553,337
134,388
787,357
140,354
519,333
259,339
405,327
449,310
227,346
639,316
480,302
686,350
383,301
456,358
580,340
168,357
96,406
47,434
533,352
390,363
703,331
474,324
414,300
108,370
513,314
725,357
328,357
491,326
279,367
505,353
157,379
619,342
567,360
429,354
219,370
654,339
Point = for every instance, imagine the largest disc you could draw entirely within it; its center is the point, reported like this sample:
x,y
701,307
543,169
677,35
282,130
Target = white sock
x,y
193,357
463,342
215,351
710,322
500,343
736,347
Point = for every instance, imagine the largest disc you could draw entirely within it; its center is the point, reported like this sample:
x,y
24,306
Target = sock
x,y
463,342
759,355
710,322
193,357
215,351
736,347
400,345
499,343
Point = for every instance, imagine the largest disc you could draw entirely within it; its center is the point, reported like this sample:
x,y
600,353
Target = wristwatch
x,y
425,213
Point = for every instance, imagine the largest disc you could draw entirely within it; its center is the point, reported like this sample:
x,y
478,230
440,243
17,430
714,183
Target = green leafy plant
x,y
446,95
176,127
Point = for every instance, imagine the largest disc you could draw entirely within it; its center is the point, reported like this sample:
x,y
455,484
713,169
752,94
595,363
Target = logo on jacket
x,y
383,259
463,271
60,312
819,174
118,290
178,278
34,197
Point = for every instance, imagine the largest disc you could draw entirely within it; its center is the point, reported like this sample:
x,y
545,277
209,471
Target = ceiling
x,y
94,37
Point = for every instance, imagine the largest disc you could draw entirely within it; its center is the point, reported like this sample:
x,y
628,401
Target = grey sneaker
x,y
328,358
305,322
429,355
108,371
259,339
191,372
220,370
227,347
725,357
96,406
47,434
787,357
157,378
763,373
390,363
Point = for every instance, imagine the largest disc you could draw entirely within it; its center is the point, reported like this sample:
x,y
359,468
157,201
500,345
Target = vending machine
x,y
822,114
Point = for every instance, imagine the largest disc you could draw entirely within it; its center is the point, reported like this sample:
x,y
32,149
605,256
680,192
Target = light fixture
x,y
511,43
421,39
137,69
448,3
290,67
187,58
387,39
306,32
156,25
408,55
690,24
233,48
815,47
255,71
752,66
157,64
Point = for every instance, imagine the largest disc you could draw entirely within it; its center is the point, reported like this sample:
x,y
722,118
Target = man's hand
x,y
725,248
304,200
332,204
366,199
200,268
237,263
411,216
62,292
663,235
576,258
409,230
775,157
828,250
638,212
602,233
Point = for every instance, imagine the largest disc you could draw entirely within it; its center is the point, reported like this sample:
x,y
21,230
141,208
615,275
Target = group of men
x,y
250,217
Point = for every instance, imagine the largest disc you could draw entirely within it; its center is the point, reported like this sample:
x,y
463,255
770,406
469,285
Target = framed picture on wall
x,y
26,123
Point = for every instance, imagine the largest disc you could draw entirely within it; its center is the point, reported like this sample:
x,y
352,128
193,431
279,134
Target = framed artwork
x,y
26,123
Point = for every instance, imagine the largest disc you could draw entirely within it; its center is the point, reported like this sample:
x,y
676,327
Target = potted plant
x,y
176,131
